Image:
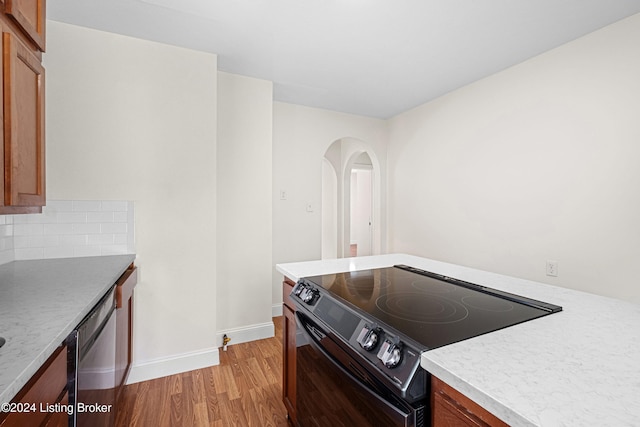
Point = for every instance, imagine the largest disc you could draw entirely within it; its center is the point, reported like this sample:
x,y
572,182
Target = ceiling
x,y
374,58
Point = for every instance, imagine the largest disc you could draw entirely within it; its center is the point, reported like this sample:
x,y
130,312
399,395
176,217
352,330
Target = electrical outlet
x,y
552,268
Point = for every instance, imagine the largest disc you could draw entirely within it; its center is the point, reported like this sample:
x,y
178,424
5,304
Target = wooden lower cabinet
x,y
124,326
450,408
59,419
289,352
42,395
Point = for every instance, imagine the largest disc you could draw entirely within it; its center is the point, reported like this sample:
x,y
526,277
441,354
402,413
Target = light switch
x,y
309,207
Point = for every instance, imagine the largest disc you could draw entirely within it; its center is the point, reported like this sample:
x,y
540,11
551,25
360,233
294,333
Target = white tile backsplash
x,y
84,228
101,216
59,205
6,239
69,228
87,206
67,217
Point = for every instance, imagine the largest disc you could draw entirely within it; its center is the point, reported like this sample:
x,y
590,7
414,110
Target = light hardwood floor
x,y
244,390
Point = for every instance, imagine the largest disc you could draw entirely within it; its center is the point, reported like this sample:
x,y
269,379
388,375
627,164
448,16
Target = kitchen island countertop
x,y
41,302
573,368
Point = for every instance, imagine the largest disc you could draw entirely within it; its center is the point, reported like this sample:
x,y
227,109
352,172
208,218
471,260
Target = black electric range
x,y
387,317
431,309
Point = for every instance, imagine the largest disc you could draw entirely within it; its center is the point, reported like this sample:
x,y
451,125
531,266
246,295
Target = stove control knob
x,y
301,287
393,358
368,338
309,296
390,354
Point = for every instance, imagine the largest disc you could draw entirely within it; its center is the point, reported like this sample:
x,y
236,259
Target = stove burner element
x,y
421,308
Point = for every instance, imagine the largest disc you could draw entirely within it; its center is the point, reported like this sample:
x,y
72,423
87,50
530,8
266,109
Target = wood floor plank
x,y
272,369
262,400
254,374
229,384
201,414
243,390
188,392
176,409
175,383
213,407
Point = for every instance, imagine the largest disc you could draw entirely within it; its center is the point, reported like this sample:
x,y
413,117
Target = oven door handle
x,y
396,410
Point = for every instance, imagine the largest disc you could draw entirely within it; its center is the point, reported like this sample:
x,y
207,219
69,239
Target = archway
x,y
344,158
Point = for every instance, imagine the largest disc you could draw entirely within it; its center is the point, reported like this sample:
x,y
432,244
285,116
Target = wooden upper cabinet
x,y
30,17
23,104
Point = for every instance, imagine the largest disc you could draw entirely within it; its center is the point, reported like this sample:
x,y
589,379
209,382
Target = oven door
x,y
333,389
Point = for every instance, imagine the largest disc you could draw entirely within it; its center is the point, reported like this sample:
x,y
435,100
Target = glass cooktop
x,y
430,309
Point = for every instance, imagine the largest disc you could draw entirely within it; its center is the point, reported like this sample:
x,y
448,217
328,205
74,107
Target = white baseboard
x,y
173,365
276,310
200,359
247,333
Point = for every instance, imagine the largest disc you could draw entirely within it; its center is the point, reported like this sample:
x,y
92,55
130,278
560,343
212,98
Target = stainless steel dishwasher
x,y
94,388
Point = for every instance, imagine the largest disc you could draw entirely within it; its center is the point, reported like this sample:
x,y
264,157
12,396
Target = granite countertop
x,y
41,302
573,368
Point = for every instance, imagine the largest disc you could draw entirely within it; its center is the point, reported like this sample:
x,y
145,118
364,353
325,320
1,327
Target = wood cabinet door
x,y
289,363
46,387
289,351
2,163
124,326
23,101
30,17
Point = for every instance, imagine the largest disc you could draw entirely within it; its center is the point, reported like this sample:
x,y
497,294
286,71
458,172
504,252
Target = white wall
x,y
361,210
301,136
536,163
329,214
129,119
244,207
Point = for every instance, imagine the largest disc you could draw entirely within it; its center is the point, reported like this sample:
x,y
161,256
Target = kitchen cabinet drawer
x,y
46,387
450,408
29,15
